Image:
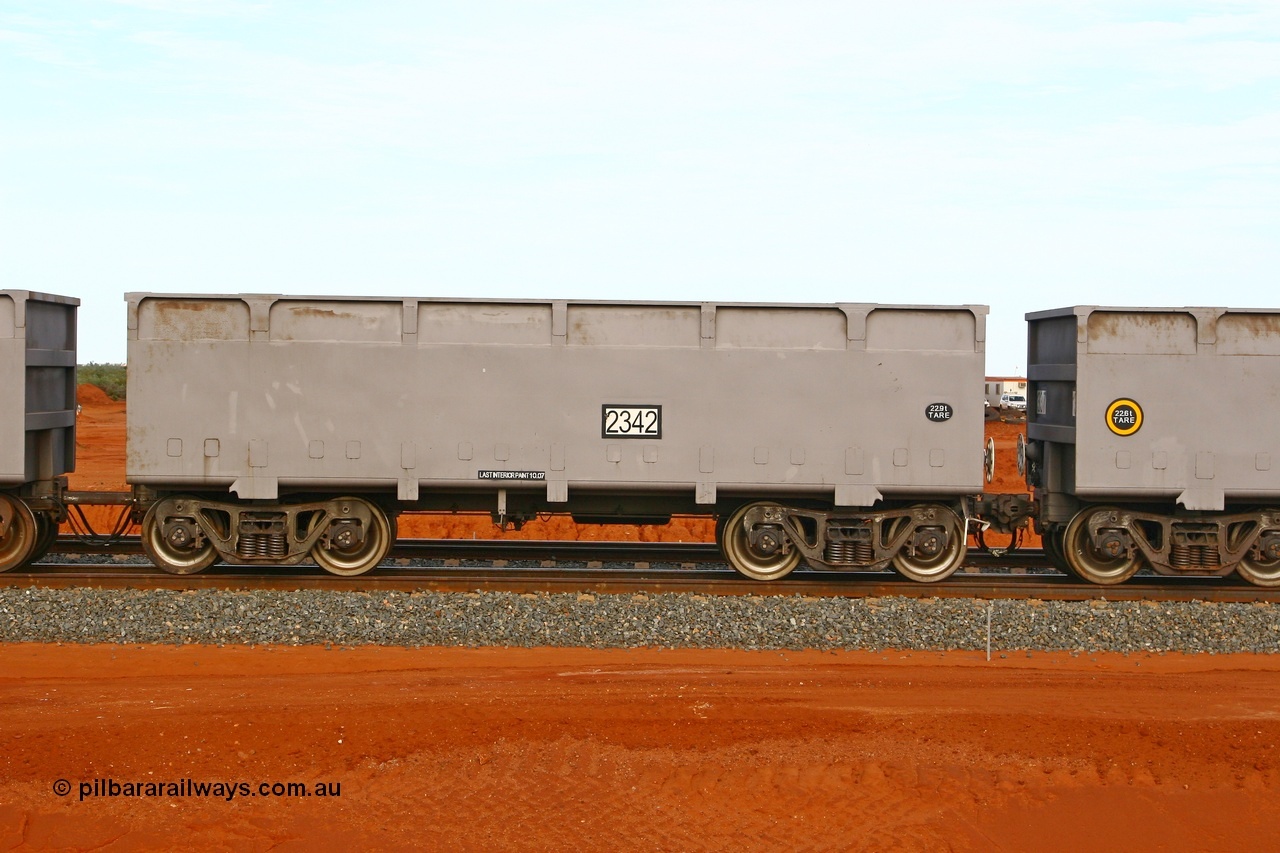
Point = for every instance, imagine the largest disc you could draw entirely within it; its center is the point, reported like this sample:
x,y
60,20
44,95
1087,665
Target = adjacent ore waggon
x,y
269,429
1152,440
37,420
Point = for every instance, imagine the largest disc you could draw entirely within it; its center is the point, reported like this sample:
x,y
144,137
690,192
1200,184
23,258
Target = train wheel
x,y
1087,562
1051,541
1259,571
359,557
46,535
176,554
759,563
18,541
937,561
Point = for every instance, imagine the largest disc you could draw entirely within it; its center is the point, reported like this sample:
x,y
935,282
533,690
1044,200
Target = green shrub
x,y
109,377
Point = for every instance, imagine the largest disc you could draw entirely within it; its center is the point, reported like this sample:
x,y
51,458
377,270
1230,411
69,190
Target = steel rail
x,y
555,551
485,549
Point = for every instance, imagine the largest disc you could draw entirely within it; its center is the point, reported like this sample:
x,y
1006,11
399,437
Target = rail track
x,y
549,553
614,567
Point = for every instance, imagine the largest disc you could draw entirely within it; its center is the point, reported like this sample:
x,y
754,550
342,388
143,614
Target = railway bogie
x,y
184,534
766,540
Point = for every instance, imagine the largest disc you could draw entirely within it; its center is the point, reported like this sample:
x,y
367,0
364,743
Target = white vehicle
x,y
1013,401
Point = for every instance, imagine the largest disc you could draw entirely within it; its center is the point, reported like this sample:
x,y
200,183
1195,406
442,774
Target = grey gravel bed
x,y
628,621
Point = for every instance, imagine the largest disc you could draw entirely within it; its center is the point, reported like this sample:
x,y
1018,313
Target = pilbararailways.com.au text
x,y
97,788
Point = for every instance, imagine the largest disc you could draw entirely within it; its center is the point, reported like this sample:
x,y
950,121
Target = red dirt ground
x,y
563,749
551,749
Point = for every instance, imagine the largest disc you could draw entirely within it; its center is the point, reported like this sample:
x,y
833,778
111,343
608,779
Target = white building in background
x,y
997,386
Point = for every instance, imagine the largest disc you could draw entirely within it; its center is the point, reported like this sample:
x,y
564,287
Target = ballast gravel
x,y
629,621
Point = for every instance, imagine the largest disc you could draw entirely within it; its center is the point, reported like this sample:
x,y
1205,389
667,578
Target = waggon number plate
x,y
619,421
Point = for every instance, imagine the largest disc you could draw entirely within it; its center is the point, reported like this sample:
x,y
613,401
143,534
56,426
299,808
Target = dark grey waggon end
x,y
269,429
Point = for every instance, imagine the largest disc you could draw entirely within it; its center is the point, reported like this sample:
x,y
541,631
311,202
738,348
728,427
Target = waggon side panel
x,y
37,371
1203,382
263,393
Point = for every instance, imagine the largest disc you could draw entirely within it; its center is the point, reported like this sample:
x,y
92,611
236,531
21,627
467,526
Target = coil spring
x,y
1186,556
261,545
848,553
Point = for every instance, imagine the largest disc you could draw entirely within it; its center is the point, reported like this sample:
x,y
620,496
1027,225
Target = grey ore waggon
x,y
266,428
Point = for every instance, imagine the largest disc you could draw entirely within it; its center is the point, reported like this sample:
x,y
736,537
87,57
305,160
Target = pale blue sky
x,y
1021,155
